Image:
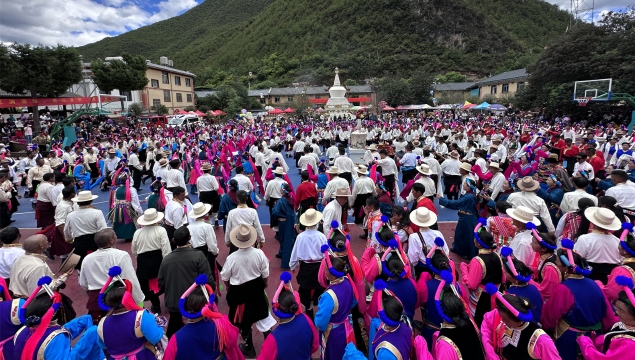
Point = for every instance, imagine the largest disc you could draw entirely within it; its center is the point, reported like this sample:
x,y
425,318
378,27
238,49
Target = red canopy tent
x,y
275,112
388,108
199,113
288,110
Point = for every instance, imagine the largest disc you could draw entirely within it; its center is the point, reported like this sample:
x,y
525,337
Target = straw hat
x,y
333,170
362,169
528,184
423,217
416,143
199,210
553,158
603,218
70,262
494,165
454,154
279,170
466,166
310,217
342,192
424,169
523,214
206,166
150,217
112,151
243,236
372,147
83,196
163,162
493,146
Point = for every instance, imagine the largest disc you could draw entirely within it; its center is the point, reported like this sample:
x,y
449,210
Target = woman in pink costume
x,y
508,331
627,269
619,343
547,276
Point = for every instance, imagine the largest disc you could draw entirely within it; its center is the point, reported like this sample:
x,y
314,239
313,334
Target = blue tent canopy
x,y
484,105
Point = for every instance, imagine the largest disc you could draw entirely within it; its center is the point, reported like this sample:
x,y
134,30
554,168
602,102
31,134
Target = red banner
x,y
26,102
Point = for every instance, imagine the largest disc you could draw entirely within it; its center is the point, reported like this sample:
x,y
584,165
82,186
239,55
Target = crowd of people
x,y
541,264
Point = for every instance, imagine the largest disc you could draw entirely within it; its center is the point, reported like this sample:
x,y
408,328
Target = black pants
x,y
136,177
34,184
170,230
348,176
175,323
389,183
5,218
309,297
150,295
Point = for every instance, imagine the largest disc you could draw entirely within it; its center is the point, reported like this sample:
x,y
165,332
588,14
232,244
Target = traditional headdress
x,y
394,250
208,311
481,222
531,226
41,323
335,226
438,244
567,246
114,273
506,252
626,229
493,291
285,283
627,284
446,279
4,290
380,287
384,222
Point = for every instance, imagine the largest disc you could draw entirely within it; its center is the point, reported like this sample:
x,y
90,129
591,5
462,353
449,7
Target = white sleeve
x,y
259,232
210,239
228,227
560,226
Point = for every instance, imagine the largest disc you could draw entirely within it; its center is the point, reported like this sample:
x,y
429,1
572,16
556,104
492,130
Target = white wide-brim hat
x,y
603,218
150,217
243,236
523,214
423,217
310,217
83,196
199,210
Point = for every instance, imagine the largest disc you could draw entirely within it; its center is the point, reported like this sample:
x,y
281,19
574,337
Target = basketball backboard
x,y
592,90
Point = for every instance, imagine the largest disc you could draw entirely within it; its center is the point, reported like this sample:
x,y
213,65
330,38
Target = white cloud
x,y
79,22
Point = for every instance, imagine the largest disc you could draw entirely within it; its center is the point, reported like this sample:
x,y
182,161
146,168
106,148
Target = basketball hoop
x,y
582,102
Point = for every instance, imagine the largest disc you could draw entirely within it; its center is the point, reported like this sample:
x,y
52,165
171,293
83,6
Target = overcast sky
x,y
79,22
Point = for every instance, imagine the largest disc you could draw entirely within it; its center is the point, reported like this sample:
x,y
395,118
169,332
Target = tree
x,y
189,108
452,76
394,90
160,109
41,70
126,75
135,109
350,82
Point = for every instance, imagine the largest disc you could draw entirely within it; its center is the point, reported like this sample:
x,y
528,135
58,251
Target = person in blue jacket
x,y
553,197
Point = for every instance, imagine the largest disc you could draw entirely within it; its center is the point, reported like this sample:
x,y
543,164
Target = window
x,y
262,100
166,95
165,77
317,96
179,97
187,82
505,88
277,99
177,80
127,94
521,86
290,99
154,83
188,98
156,103
493,89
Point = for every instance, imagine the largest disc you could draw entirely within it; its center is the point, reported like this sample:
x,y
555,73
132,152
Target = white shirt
x,y
451,167
599,248
521,244
150,238
62,210
532,201
84,221
26,272
245,265
344,164
435,167
388,166
307,247
55,192
94,272
44,192
415,248
496,184
585,166
133,161
174,178
8,255
111,164
624,194
306,160
207,182
363,185
161,172
175,214
429,188
332,211
570,200
203,233
332,152
244,183
260,160
409,159
333,185
243,215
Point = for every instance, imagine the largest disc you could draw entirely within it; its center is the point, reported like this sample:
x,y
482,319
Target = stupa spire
x,y
337,78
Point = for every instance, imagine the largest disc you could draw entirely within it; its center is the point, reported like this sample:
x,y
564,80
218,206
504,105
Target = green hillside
x,y
281,41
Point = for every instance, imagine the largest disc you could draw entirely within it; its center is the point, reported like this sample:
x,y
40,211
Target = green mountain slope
x,y
289,40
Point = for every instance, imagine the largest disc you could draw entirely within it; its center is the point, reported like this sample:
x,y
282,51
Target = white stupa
x,y
337,105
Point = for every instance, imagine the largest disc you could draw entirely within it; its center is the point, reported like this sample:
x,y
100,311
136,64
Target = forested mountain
x,y
282,41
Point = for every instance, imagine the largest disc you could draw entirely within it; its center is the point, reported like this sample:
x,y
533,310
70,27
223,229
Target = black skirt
x,y
252,295
94,172
148,264
452,184
360,202
308,275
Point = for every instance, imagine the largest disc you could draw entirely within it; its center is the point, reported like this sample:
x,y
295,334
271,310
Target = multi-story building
x,y
168,86
503,84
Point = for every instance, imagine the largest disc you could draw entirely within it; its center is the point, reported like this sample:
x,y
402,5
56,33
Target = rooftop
x,y
518,74
457,86
167,68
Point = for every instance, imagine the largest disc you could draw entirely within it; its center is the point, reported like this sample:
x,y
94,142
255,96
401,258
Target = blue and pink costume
x,y
296,339
333,318
126,334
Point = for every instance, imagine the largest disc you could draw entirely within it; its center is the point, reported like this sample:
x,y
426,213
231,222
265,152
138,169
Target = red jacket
x,y
572,152
597,163
306,190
